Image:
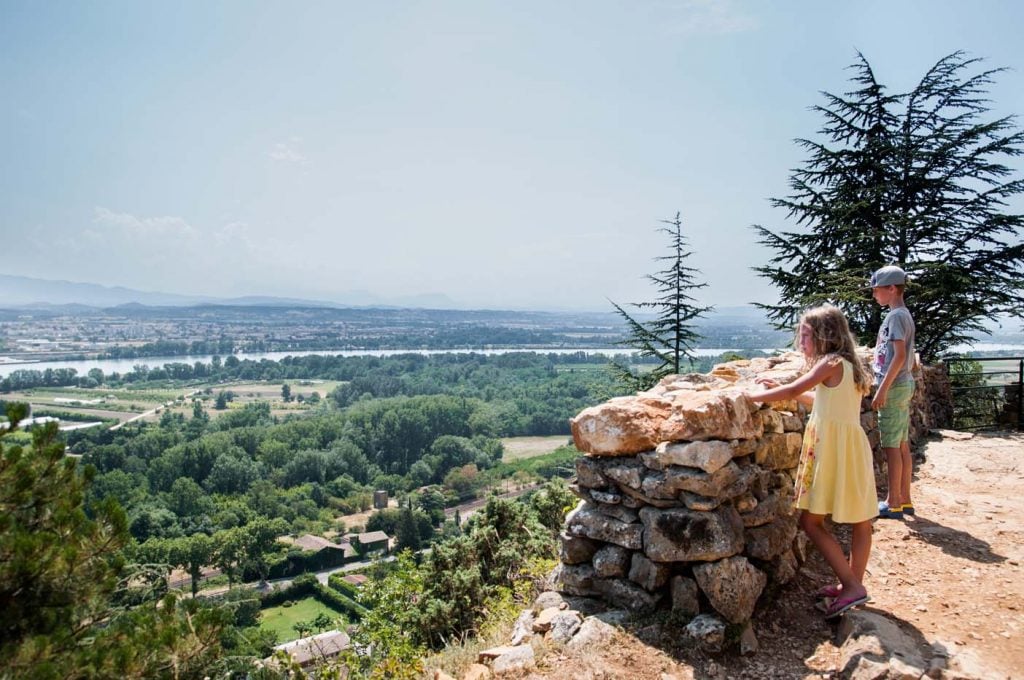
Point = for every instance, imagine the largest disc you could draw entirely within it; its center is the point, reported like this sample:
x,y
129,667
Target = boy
x,y
894,359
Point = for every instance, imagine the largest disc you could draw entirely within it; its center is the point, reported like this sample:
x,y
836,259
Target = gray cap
x,y
890,275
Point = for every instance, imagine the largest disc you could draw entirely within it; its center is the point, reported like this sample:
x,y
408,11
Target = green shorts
x,y
894,417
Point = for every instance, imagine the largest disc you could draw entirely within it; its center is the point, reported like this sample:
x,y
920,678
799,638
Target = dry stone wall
x,y
686,494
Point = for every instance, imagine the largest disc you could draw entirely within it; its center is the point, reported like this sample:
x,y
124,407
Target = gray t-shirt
x,y
898,325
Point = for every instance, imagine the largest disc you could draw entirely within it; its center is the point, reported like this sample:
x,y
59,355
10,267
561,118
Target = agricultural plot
x,y
520,448
98,403
302,395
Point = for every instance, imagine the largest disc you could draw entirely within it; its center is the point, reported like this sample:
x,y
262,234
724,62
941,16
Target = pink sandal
x,y
844,604
829,592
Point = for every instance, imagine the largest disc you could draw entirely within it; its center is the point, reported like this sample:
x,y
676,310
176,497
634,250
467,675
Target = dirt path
x,y
951,578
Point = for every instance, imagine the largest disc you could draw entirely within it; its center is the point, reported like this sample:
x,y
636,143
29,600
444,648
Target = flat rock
x,y
872,646
593,633
708,456
517,659
590,522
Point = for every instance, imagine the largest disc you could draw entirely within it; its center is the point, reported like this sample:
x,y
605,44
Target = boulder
x,y
770,540
515,660
575,579
619,512
779,451
732,586
622,426
764,512
675,478
708,456
872,646
522,630
588,473
588,521
611,561
627,595
542,623
647,574
682,535
707,632
576,549
629,425
685,599
563,626
697,416
592,633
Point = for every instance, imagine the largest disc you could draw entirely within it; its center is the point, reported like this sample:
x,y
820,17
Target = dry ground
x,y
952,577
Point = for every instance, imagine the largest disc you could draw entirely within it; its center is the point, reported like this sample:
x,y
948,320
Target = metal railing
x,y
987,392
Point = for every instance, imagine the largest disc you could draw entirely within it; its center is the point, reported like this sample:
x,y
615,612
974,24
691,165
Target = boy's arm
x,y
899,358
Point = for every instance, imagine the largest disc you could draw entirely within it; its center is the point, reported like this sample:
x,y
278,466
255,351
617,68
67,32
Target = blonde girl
x,y
835,476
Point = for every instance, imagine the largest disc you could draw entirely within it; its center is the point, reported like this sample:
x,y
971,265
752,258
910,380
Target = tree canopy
x,y
918,179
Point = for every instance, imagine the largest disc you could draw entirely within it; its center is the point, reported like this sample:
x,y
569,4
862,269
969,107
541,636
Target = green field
x,y
281,619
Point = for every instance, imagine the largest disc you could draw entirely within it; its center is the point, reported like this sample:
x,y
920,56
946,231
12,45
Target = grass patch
x,y
559,463
282,619
519,448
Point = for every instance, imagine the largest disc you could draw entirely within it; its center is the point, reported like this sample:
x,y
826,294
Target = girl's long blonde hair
x,y
831,337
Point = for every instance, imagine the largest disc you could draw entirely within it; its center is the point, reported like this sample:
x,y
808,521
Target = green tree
x,y
261,542
191,553
916,179
286,392
670,336
69,602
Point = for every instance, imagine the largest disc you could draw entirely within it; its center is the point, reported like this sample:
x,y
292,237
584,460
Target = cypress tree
x,y
670,336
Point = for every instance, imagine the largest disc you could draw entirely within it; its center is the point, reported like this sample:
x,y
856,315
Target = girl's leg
x,y
860,549
814,527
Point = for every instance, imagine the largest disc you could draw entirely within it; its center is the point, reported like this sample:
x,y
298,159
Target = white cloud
x,y
715,17
288,152
130,225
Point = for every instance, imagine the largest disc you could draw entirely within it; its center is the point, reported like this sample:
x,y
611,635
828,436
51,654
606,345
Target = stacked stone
x,y
686,494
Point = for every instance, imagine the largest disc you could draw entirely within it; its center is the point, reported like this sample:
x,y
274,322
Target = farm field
x,y
123,404
281,619
519,448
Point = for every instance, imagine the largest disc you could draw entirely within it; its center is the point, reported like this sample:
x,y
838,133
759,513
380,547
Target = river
x,y
109,366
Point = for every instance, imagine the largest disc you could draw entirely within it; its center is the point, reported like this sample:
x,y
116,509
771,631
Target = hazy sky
x,y
505,154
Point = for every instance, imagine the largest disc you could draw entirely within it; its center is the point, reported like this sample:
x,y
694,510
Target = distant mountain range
x,y
20,292
23,291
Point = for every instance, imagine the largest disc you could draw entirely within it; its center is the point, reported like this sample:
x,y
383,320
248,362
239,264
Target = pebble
x,y
921,608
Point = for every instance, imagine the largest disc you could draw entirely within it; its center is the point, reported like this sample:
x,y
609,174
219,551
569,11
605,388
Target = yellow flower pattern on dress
x,y
805,473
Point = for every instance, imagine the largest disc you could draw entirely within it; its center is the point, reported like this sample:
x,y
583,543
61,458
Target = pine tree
x,y
915,179
670,336
72,607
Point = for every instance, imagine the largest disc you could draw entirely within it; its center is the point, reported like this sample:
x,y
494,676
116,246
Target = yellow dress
x,y
835,476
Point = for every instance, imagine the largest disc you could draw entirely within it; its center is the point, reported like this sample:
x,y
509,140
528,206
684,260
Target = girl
x,y
835,476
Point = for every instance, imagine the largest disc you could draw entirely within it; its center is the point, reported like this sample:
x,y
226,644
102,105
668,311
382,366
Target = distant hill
x,y
24,291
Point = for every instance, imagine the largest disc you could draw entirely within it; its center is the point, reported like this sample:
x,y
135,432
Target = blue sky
x,y
502,154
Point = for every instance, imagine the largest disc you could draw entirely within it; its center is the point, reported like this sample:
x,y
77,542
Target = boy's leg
x,y
893,426
894,467
906,473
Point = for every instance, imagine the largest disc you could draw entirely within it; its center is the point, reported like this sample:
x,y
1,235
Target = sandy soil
x,y
950,577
